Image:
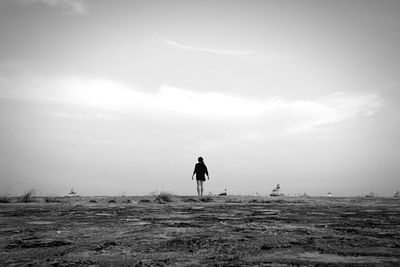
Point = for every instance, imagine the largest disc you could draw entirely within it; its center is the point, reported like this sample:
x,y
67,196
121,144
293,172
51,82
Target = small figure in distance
x,y
200,169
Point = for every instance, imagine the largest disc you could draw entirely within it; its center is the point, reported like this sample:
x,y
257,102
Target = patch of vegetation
x,y
190,199
105,245
27,197
163,197
50,199
92,201
206,199
4,199
145,200
112,201
254,201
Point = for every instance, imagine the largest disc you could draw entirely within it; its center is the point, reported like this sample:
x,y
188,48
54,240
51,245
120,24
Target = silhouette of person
x,y
200,169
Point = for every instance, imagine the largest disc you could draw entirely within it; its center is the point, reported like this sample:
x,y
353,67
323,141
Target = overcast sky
x,y
112,97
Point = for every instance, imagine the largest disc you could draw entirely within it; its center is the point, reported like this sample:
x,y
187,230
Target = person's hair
x,y
200,159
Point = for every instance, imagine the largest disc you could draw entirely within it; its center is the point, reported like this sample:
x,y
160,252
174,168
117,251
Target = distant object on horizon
x,y
372,194
223,193
72,193
304,195
397,194
276,192
329,194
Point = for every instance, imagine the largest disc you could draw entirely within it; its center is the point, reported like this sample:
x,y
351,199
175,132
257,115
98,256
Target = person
x,y
200,169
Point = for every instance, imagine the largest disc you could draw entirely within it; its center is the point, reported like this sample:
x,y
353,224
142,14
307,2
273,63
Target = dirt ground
x,y
192,231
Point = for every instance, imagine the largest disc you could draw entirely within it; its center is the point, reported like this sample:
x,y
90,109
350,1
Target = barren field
x,y
191,231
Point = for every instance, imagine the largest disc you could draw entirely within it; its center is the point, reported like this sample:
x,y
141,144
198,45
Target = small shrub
x,y
26,197
145,200
266,201
163,197
49,199
254,201
128,201
206,199
112,201
4,199
92,201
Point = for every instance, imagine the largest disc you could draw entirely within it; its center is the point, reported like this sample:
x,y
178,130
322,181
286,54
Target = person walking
x,y
200,169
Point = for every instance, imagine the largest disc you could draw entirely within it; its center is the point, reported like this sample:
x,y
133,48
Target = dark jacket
x,y
200,169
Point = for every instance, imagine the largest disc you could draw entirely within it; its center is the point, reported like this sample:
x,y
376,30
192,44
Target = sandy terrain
x,y
189,231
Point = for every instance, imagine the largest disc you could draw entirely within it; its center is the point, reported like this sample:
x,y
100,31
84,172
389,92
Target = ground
x,y
192,231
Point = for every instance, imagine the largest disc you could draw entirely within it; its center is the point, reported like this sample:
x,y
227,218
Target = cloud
x,y
307,115
257,115
248,55
209,50
80,116
111,95
70,7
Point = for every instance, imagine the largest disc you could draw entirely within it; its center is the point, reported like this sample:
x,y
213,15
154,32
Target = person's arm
x,y
194,172
208,176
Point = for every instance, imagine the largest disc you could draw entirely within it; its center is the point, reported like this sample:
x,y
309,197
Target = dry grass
x,y
26,197
206,199
51,199
5,199
163,197
190,199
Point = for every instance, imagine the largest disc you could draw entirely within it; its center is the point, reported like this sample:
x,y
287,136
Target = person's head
x,y
200,159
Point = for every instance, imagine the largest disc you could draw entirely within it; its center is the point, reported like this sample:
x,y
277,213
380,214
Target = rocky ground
x,y
192,231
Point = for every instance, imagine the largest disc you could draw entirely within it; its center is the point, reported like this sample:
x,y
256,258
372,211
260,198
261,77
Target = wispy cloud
x,y
259,115
70,7
333,108
239,53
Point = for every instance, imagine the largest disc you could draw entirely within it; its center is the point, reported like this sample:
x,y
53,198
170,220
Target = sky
x,y
122,97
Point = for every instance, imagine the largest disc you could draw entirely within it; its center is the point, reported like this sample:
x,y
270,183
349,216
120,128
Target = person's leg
x,y
198,187
201,185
